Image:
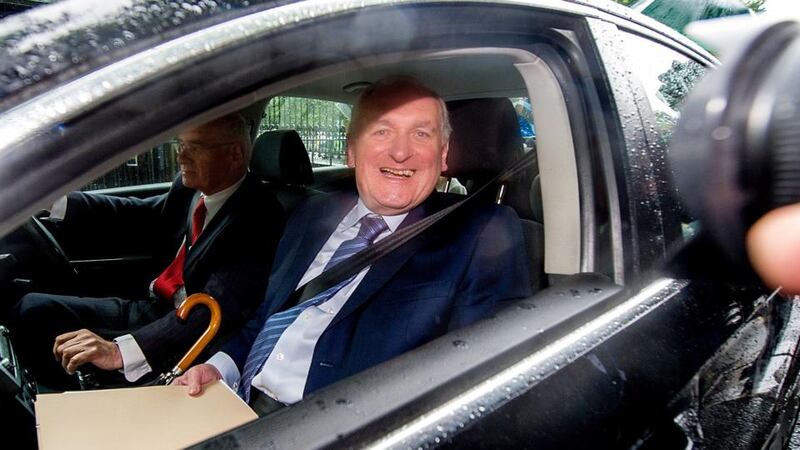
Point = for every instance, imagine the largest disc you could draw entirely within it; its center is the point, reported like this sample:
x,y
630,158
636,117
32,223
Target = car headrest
x,y
280,156
485,138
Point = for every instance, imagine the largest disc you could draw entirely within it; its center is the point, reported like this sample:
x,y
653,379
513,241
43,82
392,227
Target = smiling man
x,y
215,232
451,275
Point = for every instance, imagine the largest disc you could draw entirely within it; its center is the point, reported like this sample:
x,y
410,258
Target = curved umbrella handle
x,y
183,312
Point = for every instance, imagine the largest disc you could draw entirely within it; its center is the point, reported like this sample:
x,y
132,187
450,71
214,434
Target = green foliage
x,y
755,5
678,81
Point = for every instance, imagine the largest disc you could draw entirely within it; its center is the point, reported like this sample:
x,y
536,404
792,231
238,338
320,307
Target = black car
x,y
608,353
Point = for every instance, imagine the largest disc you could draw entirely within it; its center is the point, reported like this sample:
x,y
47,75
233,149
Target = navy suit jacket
x,y
453,274
230,261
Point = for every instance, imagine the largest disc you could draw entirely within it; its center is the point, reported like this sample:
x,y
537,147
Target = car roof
x,y
54,43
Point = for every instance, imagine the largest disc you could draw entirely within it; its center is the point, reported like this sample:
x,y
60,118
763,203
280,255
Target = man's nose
x,y
401,148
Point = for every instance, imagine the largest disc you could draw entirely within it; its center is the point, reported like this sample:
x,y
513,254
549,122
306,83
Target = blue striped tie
x,y
371,227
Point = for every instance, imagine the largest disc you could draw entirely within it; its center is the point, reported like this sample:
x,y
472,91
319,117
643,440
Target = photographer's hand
x,y
773,245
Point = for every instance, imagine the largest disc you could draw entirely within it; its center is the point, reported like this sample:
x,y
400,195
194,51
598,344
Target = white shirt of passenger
x,y
134,363
284,374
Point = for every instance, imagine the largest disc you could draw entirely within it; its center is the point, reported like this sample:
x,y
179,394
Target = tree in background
x,y
755,5
678,13
678,81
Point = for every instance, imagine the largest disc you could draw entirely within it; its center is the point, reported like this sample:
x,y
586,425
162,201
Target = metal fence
x,y
156,166
321,124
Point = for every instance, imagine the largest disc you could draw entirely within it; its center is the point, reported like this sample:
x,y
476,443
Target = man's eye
x,y
423,134
381,132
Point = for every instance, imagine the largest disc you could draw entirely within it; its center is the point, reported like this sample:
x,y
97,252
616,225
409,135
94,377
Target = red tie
x,y
171,279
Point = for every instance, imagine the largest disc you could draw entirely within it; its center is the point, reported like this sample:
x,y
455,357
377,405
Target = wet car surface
x,y
610,352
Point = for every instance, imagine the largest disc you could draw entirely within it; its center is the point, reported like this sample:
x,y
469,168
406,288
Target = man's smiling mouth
x,y
407,173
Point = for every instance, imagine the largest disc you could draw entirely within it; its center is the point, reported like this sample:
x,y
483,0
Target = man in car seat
x,y
448,277
214,232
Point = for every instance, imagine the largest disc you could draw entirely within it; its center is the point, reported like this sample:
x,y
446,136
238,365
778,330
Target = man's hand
x,y
76,348
197,377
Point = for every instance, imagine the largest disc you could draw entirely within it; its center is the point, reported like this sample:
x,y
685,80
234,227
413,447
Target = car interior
x,y
478,85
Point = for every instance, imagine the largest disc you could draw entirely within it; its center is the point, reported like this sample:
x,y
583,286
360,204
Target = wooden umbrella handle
x,y
213,326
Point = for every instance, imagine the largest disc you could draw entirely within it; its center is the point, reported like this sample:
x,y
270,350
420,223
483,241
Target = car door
x,y
606,349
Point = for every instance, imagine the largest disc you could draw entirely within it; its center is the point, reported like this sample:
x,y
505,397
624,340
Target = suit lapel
x,y
308,238
218,223
385,268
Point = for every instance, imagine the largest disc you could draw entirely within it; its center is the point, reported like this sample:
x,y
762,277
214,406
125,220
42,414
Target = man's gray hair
x,y
391,84
238,128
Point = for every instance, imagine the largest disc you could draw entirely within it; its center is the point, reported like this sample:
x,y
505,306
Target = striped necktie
x,y
371,227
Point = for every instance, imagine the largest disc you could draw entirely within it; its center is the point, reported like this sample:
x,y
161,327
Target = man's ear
x,y
351,159
445,149
238,154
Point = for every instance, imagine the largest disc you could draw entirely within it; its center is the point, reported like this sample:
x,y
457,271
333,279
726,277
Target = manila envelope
x,y
153,417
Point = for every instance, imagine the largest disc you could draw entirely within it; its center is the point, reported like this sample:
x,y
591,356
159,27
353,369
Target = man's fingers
x,y
77,355
71,346
76,361
180,381
195,382
196,377
61,339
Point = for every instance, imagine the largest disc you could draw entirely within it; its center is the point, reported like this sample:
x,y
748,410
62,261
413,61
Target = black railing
x,y
321,124
156,166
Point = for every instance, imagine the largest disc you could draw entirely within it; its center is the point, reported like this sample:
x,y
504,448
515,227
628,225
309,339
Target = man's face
x,y
397,153
209,158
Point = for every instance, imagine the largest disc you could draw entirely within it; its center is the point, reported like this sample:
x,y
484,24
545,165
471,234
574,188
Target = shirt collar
x,y
215,201
361,210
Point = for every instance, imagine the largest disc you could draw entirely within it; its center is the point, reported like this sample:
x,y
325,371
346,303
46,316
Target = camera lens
x,y
736,149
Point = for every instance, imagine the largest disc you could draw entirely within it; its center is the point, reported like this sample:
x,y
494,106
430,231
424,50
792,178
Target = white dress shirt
x,y
284,374
134,363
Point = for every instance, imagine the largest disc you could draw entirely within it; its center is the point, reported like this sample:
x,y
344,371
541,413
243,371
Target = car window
x,y
522,106
158,165
667,77
321,124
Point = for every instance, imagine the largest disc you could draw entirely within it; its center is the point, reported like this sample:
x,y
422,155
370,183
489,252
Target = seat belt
x,y
368,256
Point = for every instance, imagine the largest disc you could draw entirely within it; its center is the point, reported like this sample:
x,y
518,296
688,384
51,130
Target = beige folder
x,y
154,417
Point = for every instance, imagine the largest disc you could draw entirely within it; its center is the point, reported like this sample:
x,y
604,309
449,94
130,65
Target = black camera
x,y
735,153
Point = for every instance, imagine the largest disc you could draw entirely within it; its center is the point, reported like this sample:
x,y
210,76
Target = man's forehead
x,y
383,102
205,132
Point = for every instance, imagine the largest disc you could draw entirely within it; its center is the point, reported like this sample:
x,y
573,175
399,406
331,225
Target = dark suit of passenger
x,y
230,261
453,274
